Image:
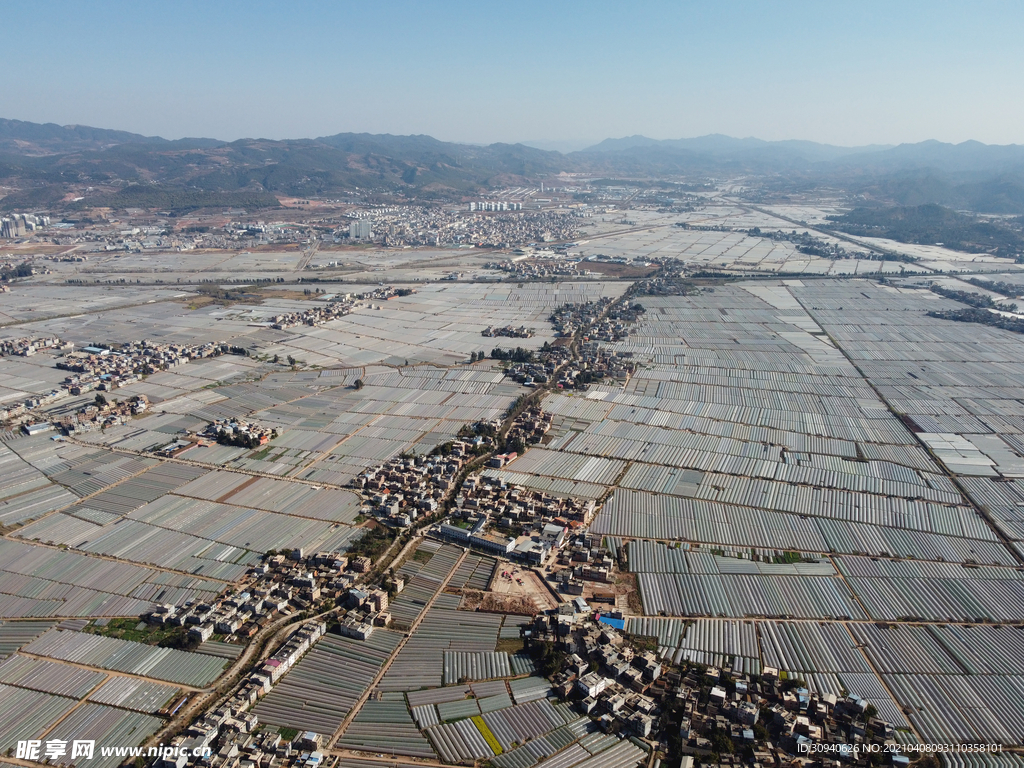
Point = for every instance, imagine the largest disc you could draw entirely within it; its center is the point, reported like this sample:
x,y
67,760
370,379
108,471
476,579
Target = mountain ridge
x,y
46,161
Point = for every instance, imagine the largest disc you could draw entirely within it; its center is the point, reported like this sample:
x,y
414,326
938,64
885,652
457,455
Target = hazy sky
x,y
845,73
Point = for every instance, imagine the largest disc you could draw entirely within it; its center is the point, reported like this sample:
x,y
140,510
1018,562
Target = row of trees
x,y
970,298
517,355
982,317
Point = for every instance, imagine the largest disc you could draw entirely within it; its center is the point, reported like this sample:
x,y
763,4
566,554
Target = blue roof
x,y
617,623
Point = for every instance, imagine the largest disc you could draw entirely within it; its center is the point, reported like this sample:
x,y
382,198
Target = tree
x,y
276,358
358,384
444,449
100,400
720,741
472,357
291,361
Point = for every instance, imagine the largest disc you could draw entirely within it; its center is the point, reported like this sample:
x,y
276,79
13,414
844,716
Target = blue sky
x,y
846,73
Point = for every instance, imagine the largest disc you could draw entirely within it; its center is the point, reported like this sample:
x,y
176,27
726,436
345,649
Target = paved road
x,y
307,256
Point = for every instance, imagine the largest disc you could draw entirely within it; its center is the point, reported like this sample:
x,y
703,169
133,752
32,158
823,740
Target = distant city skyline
x,y
556,75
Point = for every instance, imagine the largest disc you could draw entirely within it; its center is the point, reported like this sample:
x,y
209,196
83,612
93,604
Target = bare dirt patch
x,y
196,302
276,248
34,249
511,645
274,293
512,580
628,271
627,590
489,602
200,296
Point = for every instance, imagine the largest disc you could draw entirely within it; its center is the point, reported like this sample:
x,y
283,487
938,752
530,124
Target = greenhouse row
x,y
385,726
742,596
319,692
168,664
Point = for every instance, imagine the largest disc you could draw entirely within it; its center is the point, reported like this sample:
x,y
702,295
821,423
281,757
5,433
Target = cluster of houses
x,y
670,281
99,416
27,346
594,362
282,584
605,675
23,411
385,293
777,719
529,427
86,419
277,666
316,315
237,432
257,749
404,225
511,521
539,371
597,363
615,325
367,609
103,368
508,331
247,434
234,615
507,229
230,733
141,231
104,379
583,560
403,489
764,719
534,269
570,318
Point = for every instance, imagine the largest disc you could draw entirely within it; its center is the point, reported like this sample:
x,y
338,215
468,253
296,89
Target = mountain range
x,y
47,163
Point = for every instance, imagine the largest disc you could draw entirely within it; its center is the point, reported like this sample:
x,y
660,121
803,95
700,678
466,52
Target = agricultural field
x,y
819,451
802,470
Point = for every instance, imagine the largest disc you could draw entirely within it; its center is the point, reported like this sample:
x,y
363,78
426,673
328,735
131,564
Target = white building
x,y
591,684
360,230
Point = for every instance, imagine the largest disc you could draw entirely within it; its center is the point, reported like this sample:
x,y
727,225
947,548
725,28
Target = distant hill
x,y
967,157
971,175
997,192
565,147
442,162
47,163
23,138
931,225
718,145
